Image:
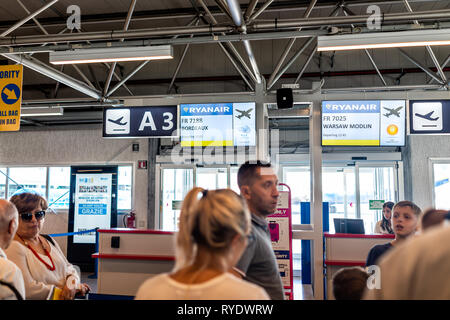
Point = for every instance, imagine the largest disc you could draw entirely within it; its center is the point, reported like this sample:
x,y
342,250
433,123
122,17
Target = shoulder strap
x,y
49,239
12,288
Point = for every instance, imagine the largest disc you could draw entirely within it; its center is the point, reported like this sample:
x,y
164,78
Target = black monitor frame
x,y
352,226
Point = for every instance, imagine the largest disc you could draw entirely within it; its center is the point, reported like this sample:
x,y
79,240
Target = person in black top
x,y
405,220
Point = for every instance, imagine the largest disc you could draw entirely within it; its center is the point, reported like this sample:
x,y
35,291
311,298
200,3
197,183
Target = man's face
x,y
262,194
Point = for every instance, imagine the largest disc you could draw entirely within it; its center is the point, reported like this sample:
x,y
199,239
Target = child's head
x,y
349,283
432,217
214,221
405,219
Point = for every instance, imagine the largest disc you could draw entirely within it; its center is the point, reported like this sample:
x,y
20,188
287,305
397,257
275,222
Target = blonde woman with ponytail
x,y
213,230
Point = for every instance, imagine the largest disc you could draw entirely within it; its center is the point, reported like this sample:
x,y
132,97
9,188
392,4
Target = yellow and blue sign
x,y
10,97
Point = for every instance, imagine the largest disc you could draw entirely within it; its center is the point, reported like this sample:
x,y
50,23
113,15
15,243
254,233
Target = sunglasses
x,y
29,216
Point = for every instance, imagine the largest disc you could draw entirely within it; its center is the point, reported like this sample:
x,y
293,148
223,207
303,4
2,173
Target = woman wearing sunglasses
x,y
47,273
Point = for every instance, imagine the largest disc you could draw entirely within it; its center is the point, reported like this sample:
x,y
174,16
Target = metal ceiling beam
x,y
231,53
425,69
259,11
131,74
125,28
249,11
443,65
77,69
361,19
54,74
290,62
430,51
108,67
27,18
311,55
236,66
238,19
372,61
42,68
257,26
183,13
180,62
290,44
223,7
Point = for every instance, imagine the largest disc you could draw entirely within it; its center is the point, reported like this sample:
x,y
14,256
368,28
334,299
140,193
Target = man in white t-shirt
x,y
11,280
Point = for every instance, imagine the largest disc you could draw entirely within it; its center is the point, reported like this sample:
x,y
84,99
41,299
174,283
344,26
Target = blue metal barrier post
x,y
94,276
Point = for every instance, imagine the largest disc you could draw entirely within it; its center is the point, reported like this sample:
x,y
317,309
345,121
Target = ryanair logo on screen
x,y
206,109
351,106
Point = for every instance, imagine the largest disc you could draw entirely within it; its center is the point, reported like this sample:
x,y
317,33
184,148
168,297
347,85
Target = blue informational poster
x,y
92,205
364,123
218,124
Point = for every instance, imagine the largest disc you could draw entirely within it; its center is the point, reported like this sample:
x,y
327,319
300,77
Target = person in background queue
x,y
46,272
405,221
432,218
417,269
258,184
11,280
212,236
383,226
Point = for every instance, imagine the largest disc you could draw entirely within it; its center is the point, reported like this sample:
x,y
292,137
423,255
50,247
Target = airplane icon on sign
x,y
118,121
244,113
395,112
427,116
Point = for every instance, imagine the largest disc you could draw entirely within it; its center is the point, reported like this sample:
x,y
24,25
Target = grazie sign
x,y
140,122
10,97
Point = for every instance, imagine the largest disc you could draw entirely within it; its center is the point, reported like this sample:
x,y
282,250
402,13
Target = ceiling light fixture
x,y
113,54
41,112
414,38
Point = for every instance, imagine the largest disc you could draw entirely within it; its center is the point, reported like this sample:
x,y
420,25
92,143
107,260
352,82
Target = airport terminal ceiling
x,y
276,41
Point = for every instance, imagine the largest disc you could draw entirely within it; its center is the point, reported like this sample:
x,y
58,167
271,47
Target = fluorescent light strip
x,y
111,54
415,38
385,45
41,112
111,60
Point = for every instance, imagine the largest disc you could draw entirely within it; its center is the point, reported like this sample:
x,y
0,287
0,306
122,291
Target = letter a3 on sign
x,y
129,122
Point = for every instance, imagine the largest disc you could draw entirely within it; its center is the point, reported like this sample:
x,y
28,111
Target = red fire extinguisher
x,y
129,220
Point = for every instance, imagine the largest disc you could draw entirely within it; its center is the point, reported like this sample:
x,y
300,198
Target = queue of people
x,y
414,266
224,250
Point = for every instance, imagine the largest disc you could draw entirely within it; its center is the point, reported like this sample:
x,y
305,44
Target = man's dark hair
x,y
247,171
349,283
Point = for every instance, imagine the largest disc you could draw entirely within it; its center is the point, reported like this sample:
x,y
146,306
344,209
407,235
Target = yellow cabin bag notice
x,y
10,97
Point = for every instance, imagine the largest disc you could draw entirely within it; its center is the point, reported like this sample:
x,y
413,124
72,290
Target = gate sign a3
x,y
140,122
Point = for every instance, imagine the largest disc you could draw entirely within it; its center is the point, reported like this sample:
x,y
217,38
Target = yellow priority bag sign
x,y
10,97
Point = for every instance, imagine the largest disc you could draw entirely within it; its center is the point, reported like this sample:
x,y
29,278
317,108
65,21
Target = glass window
x,y
233,179
29,178
59,187
176,183
125,182
375,184
3,183
441,185
212,178
297,178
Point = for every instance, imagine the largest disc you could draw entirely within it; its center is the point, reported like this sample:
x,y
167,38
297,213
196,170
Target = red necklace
x,y
49,267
